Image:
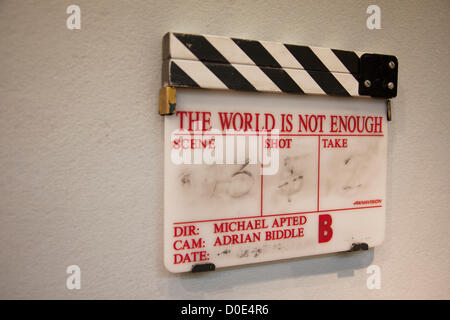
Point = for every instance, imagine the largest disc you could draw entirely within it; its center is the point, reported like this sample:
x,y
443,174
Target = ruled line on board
x,y
278,214
318,173
280,134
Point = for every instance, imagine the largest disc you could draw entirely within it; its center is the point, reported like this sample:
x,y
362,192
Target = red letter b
x,y
325,231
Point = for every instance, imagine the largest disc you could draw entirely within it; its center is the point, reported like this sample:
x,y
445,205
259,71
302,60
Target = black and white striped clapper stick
x,y
215,62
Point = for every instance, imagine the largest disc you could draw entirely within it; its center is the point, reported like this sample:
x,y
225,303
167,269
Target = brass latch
x,y
167,100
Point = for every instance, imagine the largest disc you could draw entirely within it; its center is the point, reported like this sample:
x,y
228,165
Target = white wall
x,y
81,148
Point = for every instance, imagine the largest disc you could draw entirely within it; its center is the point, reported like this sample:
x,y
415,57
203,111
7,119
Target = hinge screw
x,y
367,83
391,64
391,85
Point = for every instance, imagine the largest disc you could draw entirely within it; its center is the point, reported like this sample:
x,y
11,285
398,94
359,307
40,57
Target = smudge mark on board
x,y
186,179
226,251
241,184
244,254
291,176
256,252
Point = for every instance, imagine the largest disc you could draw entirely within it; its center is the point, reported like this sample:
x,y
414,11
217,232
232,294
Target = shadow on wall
x,y
198,284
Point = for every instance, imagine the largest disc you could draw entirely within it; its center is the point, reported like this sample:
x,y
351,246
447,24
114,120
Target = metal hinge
x,y
378,76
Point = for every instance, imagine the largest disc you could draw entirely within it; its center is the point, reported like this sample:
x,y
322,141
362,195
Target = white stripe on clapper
x,y
338,69
229,49
242,63
200,74
257,78
293,68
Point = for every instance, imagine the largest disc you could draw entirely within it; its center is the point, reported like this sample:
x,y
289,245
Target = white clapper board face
x,y
253,177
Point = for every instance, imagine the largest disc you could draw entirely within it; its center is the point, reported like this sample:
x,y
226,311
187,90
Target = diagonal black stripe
x,y
201,48
215,62
307,58
328,83
256,51
179,77
230,76
282,80
263,59
311,63
350,60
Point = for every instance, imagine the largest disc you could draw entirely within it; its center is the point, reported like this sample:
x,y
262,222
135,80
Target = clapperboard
x,y
271,151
